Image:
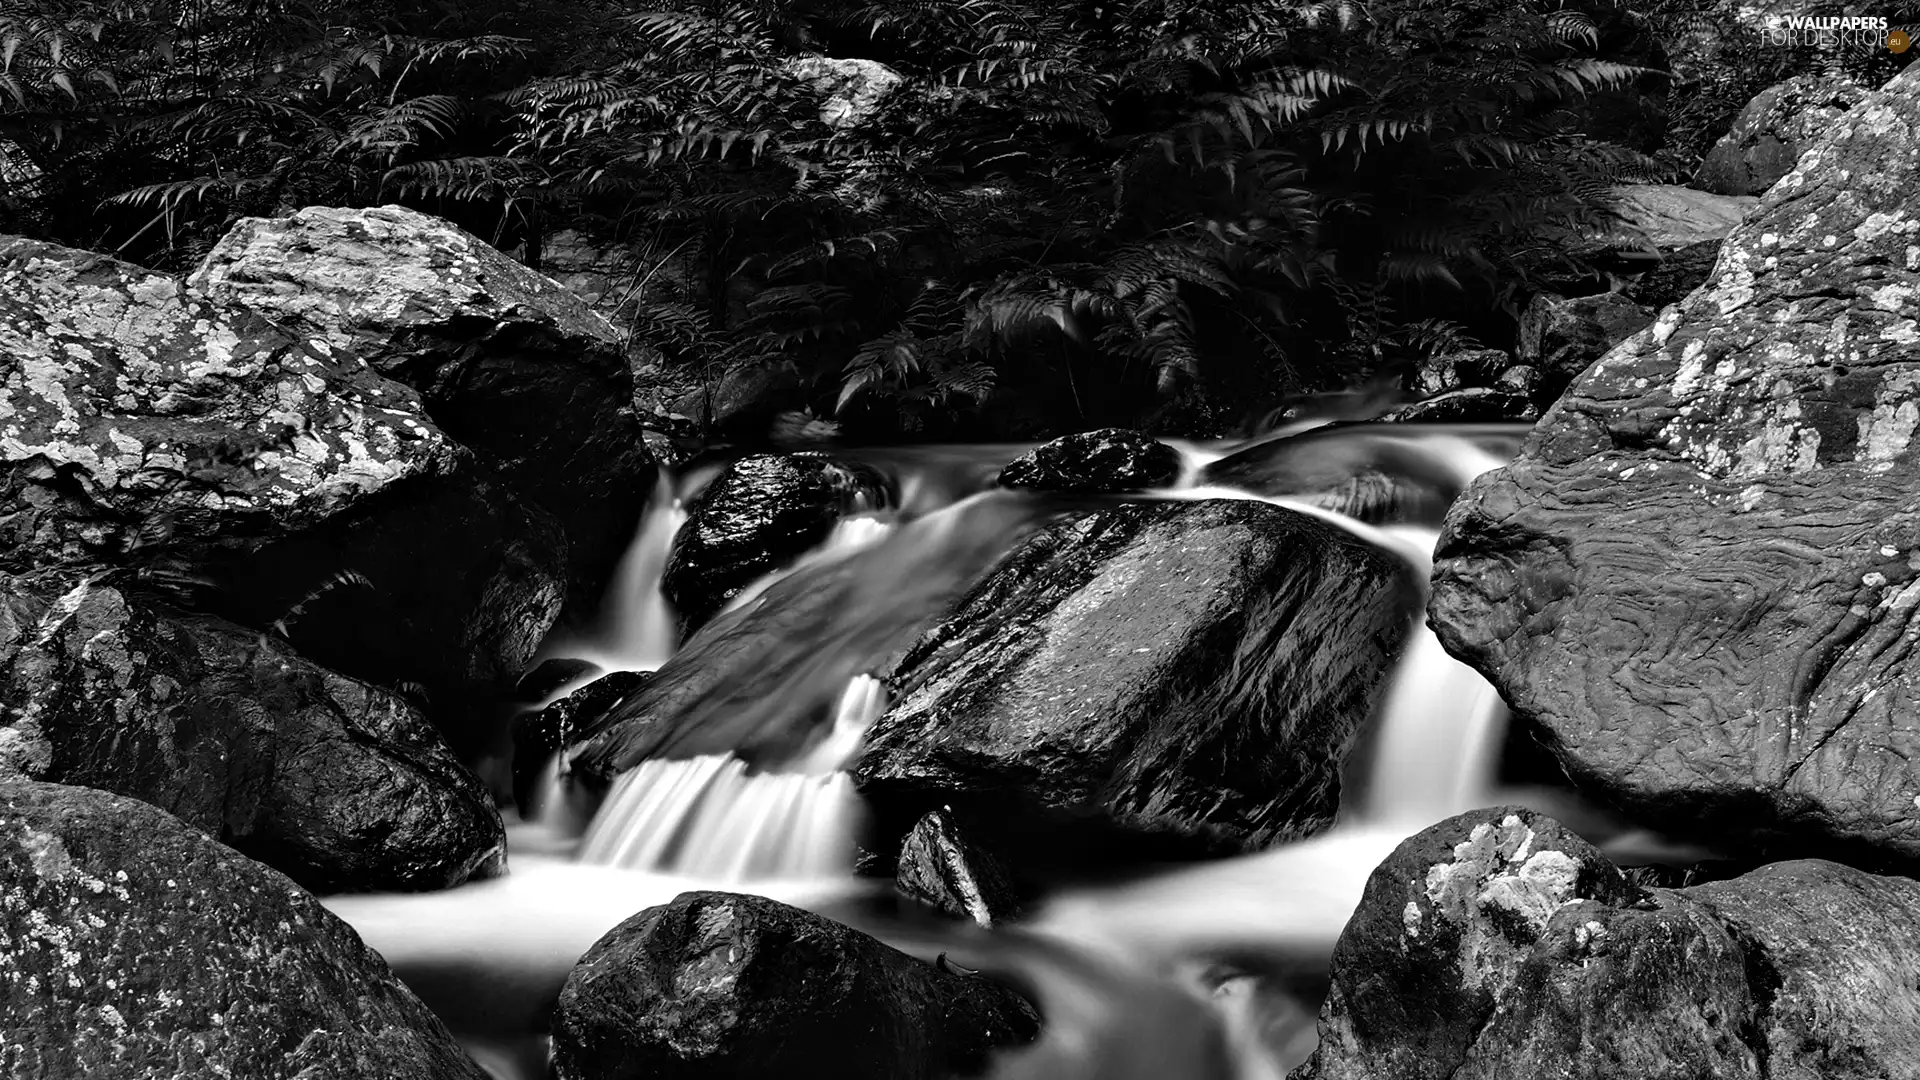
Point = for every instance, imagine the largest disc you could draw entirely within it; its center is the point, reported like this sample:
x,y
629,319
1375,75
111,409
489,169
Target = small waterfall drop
x,y
637,631
717,818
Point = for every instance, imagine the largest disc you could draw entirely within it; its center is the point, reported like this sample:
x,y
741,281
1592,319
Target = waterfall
x,y
637,630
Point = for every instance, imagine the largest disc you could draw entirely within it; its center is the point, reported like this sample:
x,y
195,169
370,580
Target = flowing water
x,y
1197,972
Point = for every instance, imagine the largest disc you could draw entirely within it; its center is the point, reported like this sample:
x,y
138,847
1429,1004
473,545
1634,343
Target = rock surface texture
x,y
941,868
1560,337
1770,134
275,476
1698,583
340,785
763,512
516,368
1096,462
715,986
134,948
1194,668
1497,945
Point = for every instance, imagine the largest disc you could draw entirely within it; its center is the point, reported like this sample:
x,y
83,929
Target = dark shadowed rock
x,y
1698,581
1679,272
272,477
1769,135
721,987
1472,405
131,946
507,362
550,677
1447,372
340,785
1196,668
537,736
1096,462
1496,944
760,514
1560,337
940,868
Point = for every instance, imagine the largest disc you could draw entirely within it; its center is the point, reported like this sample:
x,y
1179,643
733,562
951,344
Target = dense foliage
x,y
1084,211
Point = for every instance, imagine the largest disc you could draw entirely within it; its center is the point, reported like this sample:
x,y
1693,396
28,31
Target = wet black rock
x,y
1472,405
758,515
1497,944
941,868
506,361
341,785
551,677
537,736
134,946
1193,668
715,985
1096,462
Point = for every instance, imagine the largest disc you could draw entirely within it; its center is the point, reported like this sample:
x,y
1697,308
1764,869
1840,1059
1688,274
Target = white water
x,y
1128,975
638,631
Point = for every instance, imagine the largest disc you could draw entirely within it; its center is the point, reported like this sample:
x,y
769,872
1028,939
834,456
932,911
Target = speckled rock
x,y
761,513
1697,583
271,476
1191,668
134,948
506,361
1096,462
1497,944
1769,135
851,90
715,986
339,785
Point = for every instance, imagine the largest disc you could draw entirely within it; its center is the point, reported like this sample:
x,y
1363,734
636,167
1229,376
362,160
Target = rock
x,y
507,362
852,90
1696,582
137,947
1679,271
552,677
1095,462
1497,944
939,868
1519,380
1668,216
1560,337
718,985
1770,133
340,785
276,479
760,514
540,735
1436,375
1473,405
1194,668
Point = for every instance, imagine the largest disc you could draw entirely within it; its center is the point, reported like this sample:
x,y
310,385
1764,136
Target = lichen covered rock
x,y
134,948
1770,134
340,785
1698,580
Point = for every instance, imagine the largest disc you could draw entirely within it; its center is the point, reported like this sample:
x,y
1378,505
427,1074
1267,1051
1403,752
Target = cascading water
x,y
1185,973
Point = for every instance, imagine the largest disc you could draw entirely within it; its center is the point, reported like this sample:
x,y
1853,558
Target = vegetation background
x,y
1064,214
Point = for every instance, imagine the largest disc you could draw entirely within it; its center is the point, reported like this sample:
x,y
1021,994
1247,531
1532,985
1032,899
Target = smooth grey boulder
x,y
340,785
1697,583
132,947
717,986
1497,944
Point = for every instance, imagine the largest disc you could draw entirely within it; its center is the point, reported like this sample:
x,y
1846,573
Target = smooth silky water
x,y
1201,971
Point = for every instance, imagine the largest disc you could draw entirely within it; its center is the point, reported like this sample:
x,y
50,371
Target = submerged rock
x,y
276,478
939,868
340,785
1497,944
1770,134
1096,462
1196,668
718,985
136,947
506,361
760,514
1697,582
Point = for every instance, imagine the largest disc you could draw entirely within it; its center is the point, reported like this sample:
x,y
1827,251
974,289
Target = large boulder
x,y
279,479
138,949
338,784
715,985
1497,944
758,515
1769,135
1697,583
1190,668
1095,462
513,366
